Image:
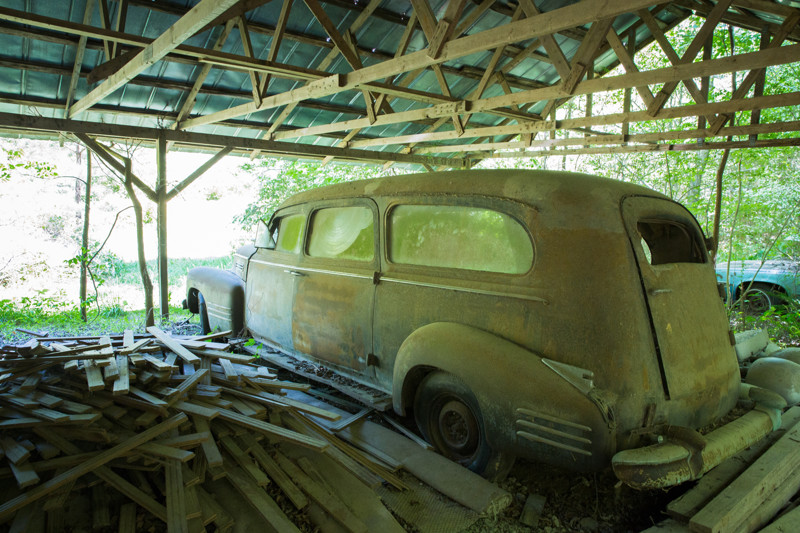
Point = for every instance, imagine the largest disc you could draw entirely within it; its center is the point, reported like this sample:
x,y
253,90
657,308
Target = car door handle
x,y
294,272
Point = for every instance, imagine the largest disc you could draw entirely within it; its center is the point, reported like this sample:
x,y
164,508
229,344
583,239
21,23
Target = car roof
x,y
528,186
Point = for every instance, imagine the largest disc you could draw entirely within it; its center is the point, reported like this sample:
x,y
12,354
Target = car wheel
x,y
202,310
448,416
758,298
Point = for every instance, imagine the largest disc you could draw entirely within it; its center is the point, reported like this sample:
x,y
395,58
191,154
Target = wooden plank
x,y
787,523
167,452
245,462
94,378
101,517
188,384
275,473
197,410
213,511
732,506
158,364
210,450
173,345
15,452
146,396
282,401
260,501
127,518
11,506
325,499
24,474
122,384
176,499
273,431
227,368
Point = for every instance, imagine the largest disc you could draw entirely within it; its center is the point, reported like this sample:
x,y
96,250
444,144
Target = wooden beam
x,y
79,52
14,122
184,28
202,169
699,40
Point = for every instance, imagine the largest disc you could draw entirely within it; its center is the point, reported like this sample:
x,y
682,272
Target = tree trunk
x,y
147,283
87,203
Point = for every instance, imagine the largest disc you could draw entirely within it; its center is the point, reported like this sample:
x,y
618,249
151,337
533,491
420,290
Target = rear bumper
x,y
685,455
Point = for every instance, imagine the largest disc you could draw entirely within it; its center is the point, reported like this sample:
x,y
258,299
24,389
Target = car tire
x,y
202,311
758,298
447,414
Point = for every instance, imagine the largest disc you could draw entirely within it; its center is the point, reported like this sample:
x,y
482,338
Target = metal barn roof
x,y
426,82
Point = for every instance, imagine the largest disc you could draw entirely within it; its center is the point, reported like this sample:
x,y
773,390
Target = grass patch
x,y
122,272
57,319
782,323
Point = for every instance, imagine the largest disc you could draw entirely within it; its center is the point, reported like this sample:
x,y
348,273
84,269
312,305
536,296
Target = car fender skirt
x,y
686,455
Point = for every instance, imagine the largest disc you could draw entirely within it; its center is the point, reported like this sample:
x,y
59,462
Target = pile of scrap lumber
x,y
190,435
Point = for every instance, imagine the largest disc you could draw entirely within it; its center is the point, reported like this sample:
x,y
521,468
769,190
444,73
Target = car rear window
x,y
451,236
667,241
342,233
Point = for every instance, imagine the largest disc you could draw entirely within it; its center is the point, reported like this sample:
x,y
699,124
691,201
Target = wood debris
x,y
175,426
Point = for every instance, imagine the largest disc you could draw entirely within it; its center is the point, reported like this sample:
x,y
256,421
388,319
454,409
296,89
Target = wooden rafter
x,y
179,32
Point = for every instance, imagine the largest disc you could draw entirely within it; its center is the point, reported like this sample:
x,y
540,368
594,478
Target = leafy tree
x,y
279,179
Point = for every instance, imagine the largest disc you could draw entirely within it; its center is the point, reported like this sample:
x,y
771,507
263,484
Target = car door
x,y
335,284
688,319
271,281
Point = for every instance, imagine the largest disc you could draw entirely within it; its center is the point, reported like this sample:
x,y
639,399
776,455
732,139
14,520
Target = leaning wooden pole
x,y
718,201
87,204
161,222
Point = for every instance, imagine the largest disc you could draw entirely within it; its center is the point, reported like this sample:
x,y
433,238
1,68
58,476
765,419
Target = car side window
x,y
463,237
290,234
342,233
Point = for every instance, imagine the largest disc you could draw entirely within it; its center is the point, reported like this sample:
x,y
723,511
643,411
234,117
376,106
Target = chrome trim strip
x,y
534,415
465,289
538,427
536,438
314,270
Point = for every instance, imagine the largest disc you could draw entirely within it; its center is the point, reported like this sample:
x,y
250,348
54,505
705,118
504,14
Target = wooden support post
x,y
161,222
87,203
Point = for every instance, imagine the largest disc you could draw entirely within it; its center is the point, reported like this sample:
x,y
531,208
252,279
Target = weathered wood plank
x,y
260,501
173,345
122,384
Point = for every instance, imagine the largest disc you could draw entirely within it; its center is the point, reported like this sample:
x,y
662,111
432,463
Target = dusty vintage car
x,y
556,316
757,285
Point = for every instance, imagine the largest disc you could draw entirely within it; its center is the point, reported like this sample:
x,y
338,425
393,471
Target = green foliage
x,y
279,179
127,272
15,162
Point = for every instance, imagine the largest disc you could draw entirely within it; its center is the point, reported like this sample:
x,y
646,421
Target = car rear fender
x,y
509,383
223,292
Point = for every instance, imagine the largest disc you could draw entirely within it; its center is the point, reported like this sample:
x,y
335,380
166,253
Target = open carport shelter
x,y
436,84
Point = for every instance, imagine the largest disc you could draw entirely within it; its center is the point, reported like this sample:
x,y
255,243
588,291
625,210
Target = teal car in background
x,y
757,285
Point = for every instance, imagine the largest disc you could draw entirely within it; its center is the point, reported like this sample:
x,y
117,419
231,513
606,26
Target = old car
x,y
556,316
759,285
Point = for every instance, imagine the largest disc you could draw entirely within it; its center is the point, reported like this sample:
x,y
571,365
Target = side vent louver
x,y
553,431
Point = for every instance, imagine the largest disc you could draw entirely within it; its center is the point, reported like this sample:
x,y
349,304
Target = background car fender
x,y
468,353
222,287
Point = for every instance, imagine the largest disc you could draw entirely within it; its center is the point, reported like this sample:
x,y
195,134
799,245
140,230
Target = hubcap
x,y
458,428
